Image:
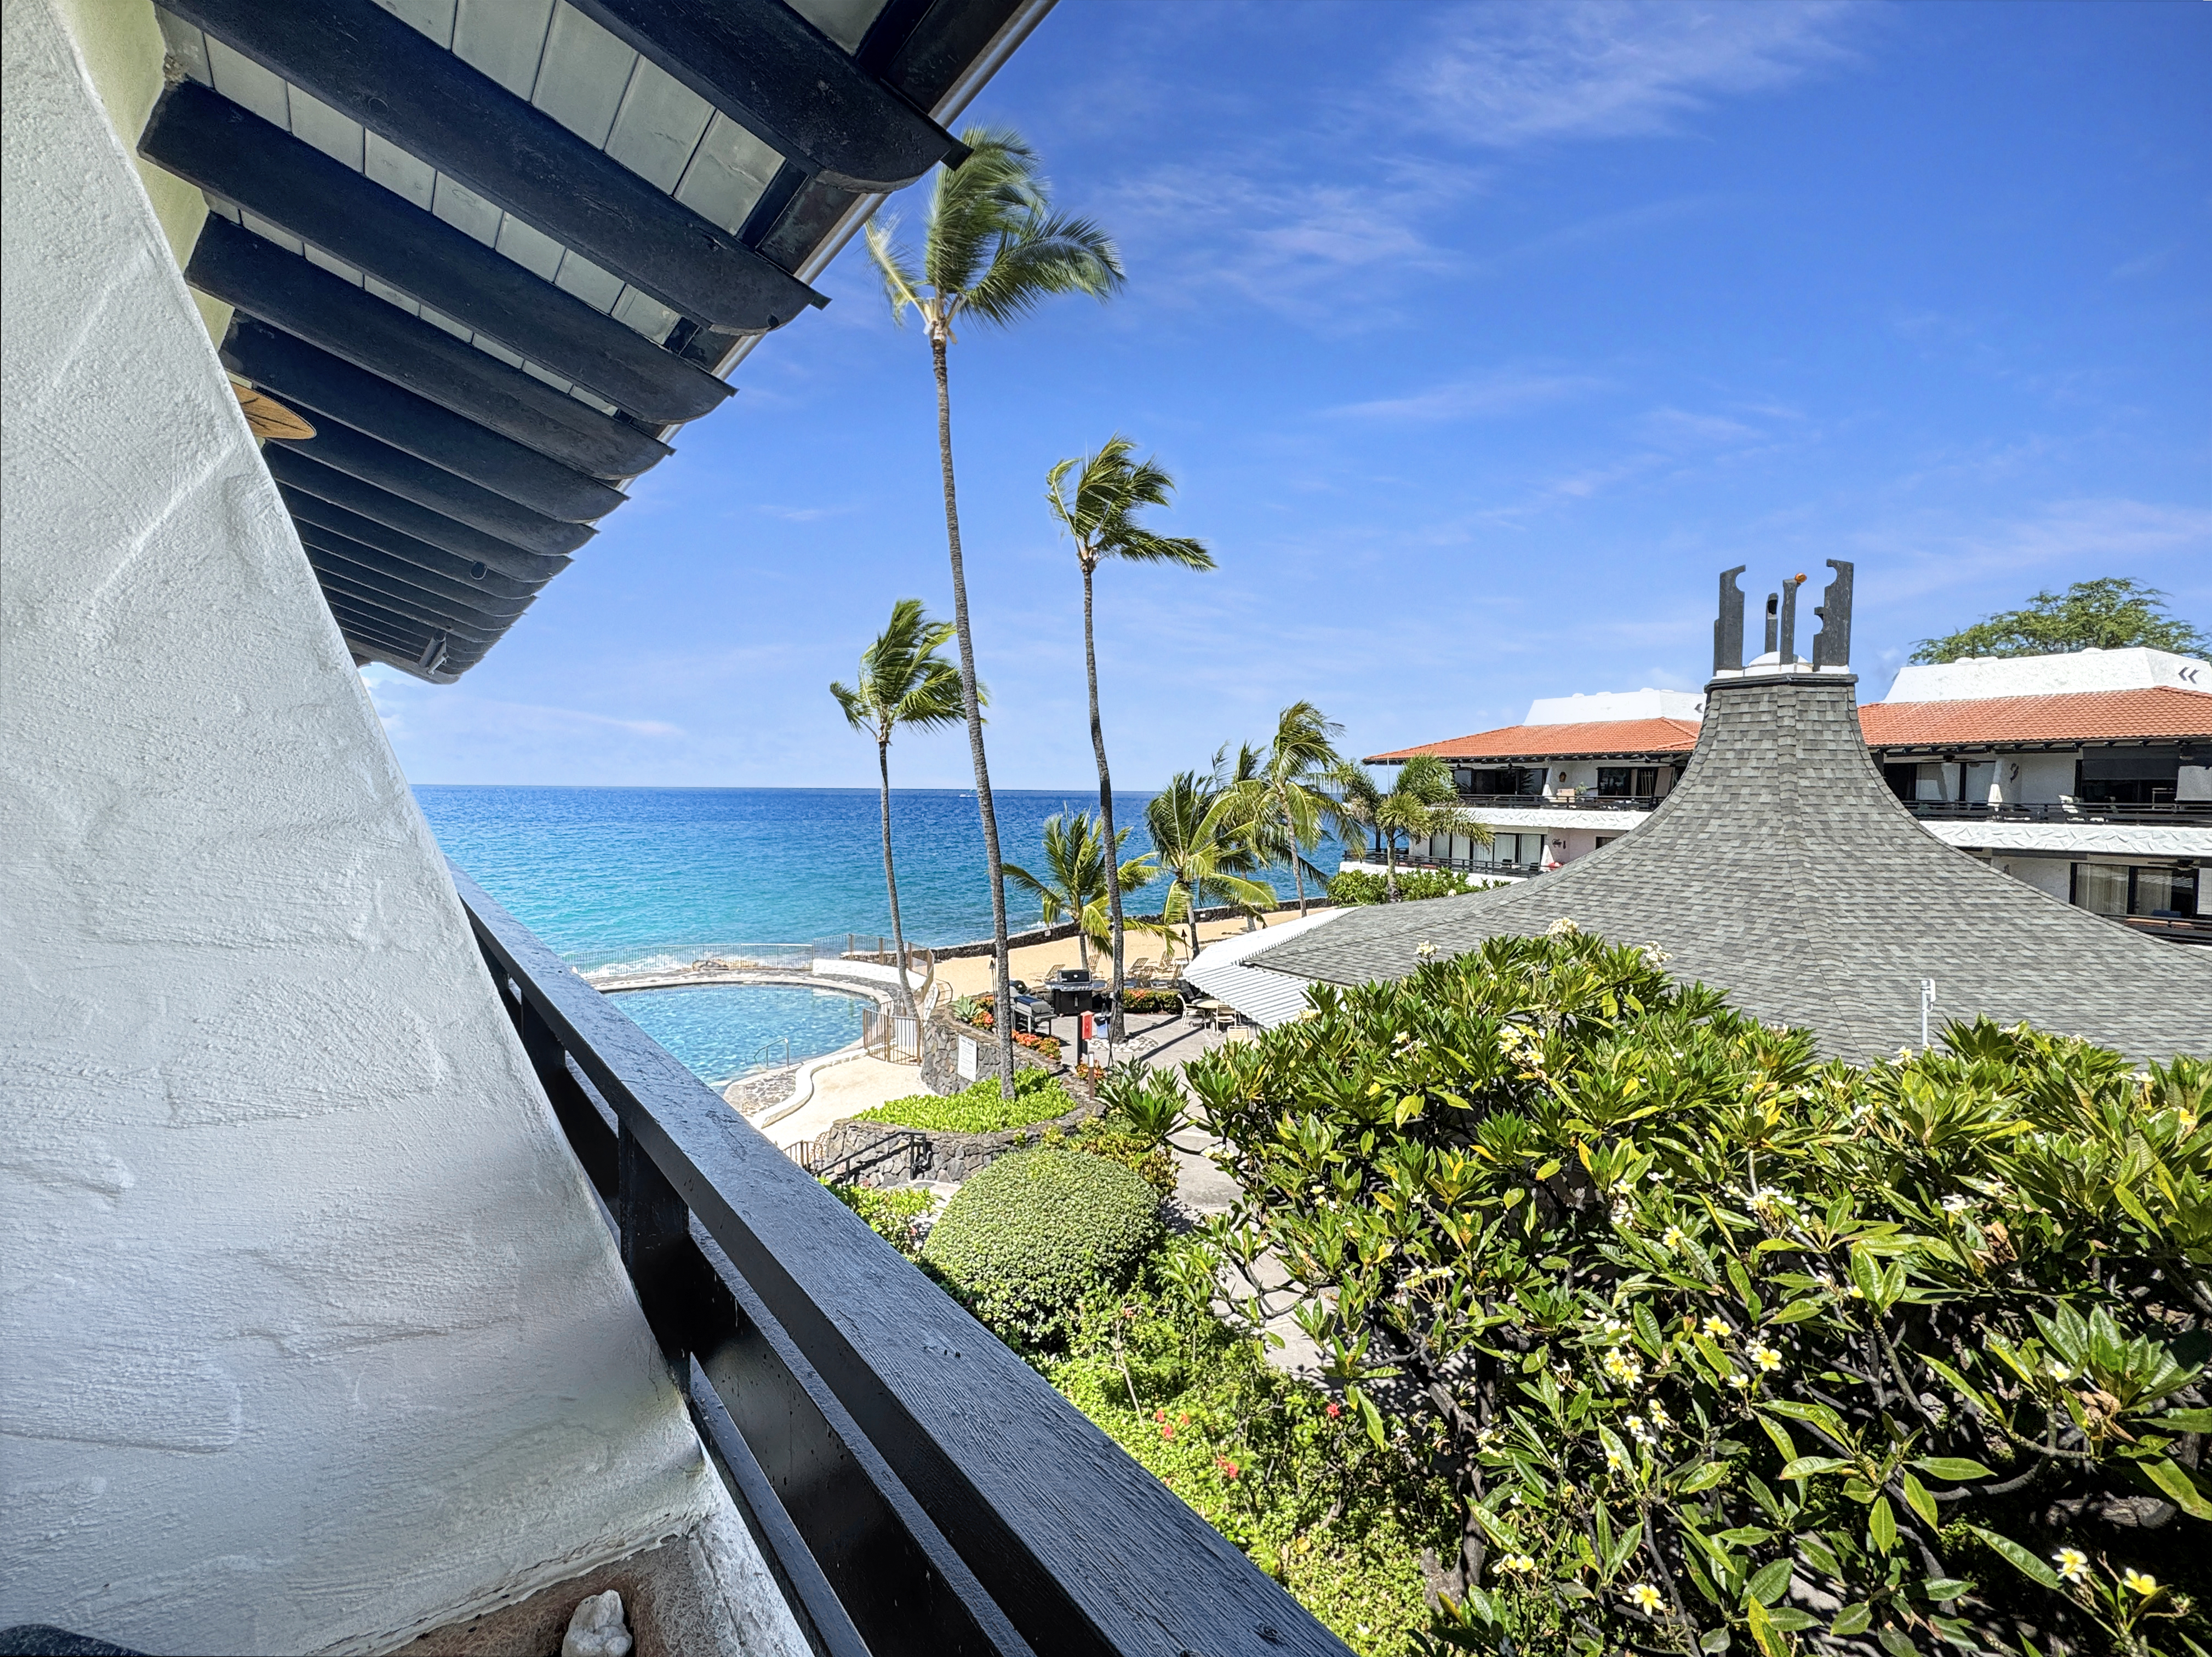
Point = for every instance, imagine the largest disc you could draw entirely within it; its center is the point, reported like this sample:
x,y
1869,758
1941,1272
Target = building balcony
x,y
1570,800
2188,814
913,1485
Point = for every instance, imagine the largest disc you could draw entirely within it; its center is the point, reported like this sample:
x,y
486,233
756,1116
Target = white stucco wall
x,y
312,1335
1981,677
2052,875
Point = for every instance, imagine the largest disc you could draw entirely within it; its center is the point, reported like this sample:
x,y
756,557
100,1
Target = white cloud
x,y
1507,74
1677,428
1506,392
1935,558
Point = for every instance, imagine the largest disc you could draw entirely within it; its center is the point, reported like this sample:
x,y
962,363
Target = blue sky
x,y
1477,339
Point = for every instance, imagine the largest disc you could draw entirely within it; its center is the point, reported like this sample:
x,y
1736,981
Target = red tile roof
x,y
2161,712
2157,712
1590,739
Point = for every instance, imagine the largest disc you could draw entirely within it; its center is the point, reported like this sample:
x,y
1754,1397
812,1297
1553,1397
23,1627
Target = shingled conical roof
x,y
1783,869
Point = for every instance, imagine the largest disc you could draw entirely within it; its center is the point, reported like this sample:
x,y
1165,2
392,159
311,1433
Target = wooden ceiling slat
x,y
308,509
402,475
410,518
258,276
781,79
368,64
305,376
203,137
372,595
456,595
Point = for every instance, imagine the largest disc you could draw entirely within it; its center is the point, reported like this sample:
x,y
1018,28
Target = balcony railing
x,y
2188,813
915,1486
1582,800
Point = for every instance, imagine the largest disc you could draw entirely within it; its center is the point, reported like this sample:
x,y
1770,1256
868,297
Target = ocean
x,y
644,878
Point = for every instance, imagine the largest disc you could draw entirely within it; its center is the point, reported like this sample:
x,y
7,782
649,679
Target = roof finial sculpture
x,y
1728,626
1786,652
1832,644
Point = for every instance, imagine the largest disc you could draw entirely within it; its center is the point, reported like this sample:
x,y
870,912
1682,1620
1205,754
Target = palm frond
x,y
974,208
895,264
855,704
1038,256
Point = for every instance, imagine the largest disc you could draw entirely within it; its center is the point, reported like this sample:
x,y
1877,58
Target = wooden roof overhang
x,y
496,256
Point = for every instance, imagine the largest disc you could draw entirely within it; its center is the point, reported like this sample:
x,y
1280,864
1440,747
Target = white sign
x,y
966,1058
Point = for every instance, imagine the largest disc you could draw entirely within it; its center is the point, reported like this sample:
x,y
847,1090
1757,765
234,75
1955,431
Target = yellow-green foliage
x,y
1023,1241
1259,1455
978,1107
1721,1348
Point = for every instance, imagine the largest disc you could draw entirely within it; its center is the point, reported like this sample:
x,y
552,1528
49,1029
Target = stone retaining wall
x,y
940,1055
948,1156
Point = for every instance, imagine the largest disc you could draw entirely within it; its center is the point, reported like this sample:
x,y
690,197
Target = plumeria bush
x,y
1357,886
1720,1347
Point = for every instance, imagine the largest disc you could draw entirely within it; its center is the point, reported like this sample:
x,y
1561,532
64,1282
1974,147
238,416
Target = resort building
x,y
368,1275
2088,775
1783,867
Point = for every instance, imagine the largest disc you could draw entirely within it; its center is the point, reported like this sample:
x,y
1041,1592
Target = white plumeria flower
x,y
1955,1204
1660,1418
2139,1582
1737,1379
1672,1239
1518,1564
1645,1598
1716,1328
1622,1367
1425,948
2073,1564
1765,1356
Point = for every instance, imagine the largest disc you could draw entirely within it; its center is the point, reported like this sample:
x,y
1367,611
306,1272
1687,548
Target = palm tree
x,y
1078,878
1202,839
992,248
1099,514
903,682
1421,802
1285,788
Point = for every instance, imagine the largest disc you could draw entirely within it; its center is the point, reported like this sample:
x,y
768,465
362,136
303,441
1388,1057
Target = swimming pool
x,y
723,1031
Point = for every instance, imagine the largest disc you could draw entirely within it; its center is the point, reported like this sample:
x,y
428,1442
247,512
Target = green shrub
x,y
1267,1460
1721,1348
1026,1239
889,1214
977,1108
1357,886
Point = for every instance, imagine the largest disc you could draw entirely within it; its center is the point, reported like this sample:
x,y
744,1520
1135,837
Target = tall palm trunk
x,y
902,995
1002,1003
1118,1031
1193,916
1390,867
1298,866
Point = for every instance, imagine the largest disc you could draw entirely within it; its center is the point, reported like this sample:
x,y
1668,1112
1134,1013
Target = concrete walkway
x,y
1202,1189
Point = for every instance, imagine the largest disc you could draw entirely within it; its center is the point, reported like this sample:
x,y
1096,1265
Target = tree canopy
x,y
2115,613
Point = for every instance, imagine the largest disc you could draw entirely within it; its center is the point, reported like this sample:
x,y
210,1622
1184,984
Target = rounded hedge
x,y
1026,1239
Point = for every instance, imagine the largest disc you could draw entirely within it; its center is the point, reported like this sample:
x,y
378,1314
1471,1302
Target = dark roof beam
x,y
281,288
349,451
781,78
201,136
310,377
368,64
368,592
406,517
321,545
311,511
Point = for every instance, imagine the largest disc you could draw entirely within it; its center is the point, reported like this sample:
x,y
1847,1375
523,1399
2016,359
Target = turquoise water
x,y
721,1033
659,876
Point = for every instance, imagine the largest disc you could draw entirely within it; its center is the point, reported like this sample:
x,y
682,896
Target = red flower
x,y
1167,1432
1159,1415
1334,1410
1228,1467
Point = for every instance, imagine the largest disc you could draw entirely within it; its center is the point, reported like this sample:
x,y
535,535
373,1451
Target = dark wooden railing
x,y
2177,814
916,1487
